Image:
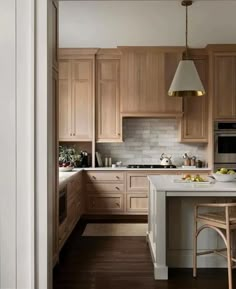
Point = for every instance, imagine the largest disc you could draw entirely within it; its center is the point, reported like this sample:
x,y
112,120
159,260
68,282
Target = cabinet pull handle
x,y
117,177
118,188
118,205
94,177
73,134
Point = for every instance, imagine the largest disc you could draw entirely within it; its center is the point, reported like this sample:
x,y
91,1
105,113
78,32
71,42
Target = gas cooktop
x,y
151,167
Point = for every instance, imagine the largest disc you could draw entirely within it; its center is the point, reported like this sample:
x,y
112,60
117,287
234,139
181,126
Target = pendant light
x,y
186,81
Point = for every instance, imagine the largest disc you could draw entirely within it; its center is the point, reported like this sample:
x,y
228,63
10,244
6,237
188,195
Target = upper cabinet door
x,y
108,100
224,86
65,100
146,74
169,62
194,124
82,95
133,80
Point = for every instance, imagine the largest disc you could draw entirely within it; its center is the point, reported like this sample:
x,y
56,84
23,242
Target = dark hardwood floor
x,y
122,263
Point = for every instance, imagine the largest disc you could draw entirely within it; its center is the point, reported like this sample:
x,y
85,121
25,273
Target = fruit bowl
x,y
225,177
65,169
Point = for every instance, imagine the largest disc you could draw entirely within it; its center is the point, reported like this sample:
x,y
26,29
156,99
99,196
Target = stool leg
x,y
195,244
229,256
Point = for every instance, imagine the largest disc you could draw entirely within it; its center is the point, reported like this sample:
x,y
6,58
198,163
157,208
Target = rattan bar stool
x,y
223,221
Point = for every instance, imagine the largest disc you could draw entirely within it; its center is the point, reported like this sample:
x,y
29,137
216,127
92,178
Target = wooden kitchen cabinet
x,y
137,203
146,75
105,192
222,71
106,203
225,86
76,94
108,120
75,208
194,124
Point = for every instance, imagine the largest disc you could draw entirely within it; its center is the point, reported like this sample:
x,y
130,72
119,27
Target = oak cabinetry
x,y
194,124
76,94
108,120
137,203
137,192
105,192
105,176
146,74
106,203
222,67
225,85
75,204
65,100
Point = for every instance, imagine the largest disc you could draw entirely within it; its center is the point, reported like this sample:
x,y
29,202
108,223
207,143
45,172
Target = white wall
x,y
114,23
8,145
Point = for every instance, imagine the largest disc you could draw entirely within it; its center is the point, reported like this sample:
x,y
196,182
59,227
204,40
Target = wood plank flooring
x,y
122,263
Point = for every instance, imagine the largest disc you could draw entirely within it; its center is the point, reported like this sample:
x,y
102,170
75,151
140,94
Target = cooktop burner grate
x,y
151,166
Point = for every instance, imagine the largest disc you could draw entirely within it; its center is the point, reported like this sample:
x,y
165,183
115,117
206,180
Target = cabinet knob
x,y
73,134
118,133
118,188
117,204
117,177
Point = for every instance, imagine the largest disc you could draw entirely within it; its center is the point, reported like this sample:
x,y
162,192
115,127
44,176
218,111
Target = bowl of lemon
x,y
225,175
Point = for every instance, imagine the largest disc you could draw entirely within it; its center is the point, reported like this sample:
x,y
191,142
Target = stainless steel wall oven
x,y
225,143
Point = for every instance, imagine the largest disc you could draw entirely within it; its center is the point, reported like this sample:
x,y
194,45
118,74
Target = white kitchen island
x,y
162,190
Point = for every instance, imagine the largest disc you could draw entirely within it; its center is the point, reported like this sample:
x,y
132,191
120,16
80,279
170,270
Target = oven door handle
x,y
225,134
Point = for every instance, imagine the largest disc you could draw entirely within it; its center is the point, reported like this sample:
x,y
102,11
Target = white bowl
x,y
225,177
65,169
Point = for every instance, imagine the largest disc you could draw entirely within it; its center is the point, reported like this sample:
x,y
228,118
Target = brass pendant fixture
x,y
186,81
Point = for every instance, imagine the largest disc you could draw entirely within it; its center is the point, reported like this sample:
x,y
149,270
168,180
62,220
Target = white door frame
x,y
25,261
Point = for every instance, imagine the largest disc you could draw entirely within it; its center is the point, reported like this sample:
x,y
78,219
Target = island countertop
x,y
167,183
170,221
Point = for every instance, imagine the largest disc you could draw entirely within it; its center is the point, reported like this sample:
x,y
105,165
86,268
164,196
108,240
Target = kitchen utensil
x,y
165,160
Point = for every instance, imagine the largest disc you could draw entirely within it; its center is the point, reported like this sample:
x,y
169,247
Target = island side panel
x,y
157,232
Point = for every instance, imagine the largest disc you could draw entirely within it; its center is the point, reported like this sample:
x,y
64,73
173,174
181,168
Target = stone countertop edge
x,y
164,183
64,177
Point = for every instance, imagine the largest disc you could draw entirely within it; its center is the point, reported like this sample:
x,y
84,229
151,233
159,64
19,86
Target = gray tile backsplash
x,y
145,139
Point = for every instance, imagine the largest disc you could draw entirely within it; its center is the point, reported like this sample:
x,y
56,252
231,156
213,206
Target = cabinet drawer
x,y
105,188
105,176
137,182
107,203
137,203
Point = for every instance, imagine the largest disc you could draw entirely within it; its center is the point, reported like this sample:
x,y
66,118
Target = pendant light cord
x,y
186,33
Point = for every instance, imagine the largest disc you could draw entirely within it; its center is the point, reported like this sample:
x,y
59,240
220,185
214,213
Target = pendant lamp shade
x,y
186,81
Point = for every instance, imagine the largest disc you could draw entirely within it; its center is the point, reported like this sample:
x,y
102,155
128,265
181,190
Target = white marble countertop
x,y
65,176
166,183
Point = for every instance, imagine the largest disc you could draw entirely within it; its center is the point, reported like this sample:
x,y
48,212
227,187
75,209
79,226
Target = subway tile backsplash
x,y
145,139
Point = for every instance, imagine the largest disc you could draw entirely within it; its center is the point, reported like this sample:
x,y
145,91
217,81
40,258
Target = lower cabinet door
x,y
62,234
137,203
71,215
105,203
